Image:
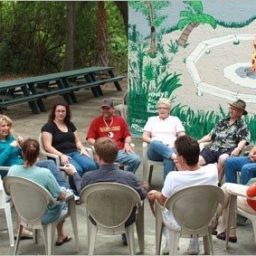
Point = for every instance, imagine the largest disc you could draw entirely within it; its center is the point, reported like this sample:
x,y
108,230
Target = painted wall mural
x,y
200,54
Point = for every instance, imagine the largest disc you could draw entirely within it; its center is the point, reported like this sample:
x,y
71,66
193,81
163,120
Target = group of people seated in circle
x,y
109,136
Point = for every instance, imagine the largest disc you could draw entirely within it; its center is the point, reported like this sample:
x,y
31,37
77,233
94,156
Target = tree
x,y
149,10
102,34
191,18
123,8
69,53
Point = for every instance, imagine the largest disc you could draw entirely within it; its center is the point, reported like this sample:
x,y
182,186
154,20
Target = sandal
x,y
222,236
64,240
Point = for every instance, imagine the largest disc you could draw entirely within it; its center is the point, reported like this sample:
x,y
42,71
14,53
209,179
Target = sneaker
x,y
193,248
165,250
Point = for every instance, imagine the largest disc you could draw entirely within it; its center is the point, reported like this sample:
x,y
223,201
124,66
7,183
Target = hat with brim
x,y
240,105
107,103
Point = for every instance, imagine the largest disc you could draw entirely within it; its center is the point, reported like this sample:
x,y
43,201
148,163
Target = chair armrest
x,y
4,168
202,145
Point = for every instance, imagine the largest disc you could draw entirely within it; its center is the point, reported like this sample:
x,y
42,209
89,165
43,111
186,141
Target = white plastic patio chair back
x,y
6,205
31,200
122,108
110,205
148,165
193,208
46,154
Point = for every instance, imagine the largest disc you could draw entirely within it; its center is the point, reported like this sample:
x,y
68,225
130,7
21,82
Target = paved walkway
x,y
28,125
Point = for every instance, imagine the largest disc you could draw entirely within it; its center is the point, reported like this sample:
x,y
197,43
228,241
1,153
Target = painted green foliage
x,y
191,18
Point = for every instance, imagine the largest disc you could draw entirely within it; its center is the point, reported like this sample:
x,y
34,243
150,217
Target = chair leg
x,y
208,246
174,241
129,231
254,228
8,216
92,231
73,218
140,227
159,230
50,229
150,172
17,240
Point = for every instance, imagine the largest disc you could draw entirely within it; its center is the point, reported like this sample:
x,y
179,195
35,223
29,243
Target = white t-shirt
x,y
164,130
177,180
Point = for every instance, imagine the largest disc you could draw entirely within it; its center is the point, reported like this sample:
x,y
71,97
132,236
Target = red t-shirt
x,y
251,192
116,130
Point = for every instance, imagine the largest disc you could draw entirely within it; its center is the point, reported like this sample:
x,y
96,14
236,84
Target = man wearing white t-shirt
x,y
160,132
189,174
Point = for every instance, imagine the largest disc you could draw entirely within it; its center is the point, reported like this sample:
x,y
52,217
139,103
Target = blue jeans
x,y
50,164
242,164
157,151
132,160
82,163
53,213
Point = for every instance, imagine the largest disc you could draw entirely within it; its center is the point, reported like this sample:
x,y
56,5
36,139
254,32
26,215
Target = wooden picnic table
x,y
36,88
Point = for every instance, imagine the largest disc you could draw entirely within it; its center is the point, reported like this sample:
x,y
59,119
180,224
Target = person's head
x,y
187,150
107,108
106,150
237,109
60,112
164,107
30,151
5,126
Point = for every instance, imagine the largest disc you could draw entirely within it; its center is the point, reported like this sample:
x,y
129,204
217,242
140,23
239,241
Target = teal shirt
x,y
39,175
9,155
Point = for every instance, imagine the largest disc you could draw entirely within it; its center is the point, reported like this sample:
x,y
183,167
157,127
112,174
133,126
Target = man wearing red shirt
x,y
115,127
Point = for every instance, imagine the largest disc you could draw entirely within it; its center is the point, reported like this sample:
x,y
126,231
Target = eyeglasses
x,y
159,108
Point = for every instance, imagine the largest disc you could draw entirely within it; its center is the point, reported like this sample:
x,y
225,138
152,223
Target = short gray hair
x,y
164,101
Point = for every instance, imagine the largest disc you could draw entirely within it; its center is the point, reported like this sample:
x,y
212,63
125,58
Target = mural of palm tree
x,y
149,10
191,18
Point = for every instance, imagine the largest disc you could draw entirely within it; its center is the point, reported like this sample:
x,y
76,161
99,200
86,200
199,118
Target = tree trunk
x,y
69,52
102,34
152,48
185,34
123,8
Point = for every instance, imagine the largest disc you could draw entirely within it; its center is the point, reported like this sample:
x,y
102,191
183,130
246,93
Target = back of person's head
x,y
30,151
164,101
53,110
188,148
8,120
106,149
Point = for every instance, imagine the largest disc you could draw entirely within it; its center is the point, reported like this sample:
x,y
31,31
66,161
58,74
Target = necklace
x,y
108,126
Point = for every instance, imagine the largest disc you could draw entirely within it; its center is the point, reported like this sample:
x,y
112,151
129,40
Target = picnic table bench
x,y
34,89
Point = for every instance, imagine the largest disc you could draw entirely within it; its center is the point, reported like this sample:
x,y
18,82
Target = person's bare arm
x,y
91,141
206,138
240,146
179,134
146,136
80,145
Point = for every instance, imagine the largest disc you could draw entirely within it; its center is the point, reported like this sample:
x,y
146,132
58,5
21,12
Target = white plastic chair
x,y
240,211
30,201
193,213
6,205
110,205
148,165
122,108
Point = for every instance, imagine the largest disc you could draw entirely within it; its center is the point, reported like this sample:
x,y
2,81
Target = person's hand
x,y
69,169
235,152
62,196
151,195
14,144
128,148
20,140
83,151
64,159
252,154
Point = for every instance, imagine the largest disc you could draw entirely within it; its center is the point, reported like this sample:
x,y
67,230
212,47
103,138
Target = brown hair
x,y
68,112
106,149
188,148
8,120
30,151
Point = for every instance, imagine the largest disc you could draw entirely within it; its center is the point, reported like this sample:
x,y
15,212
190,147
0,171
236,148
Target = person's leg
x,y
157,151
232,166
50,164
248,171
220,165
131,160
82,163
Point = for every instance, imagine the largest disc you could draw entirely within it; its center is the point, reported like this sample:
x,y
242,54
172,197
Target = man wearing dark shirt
x,y
106,152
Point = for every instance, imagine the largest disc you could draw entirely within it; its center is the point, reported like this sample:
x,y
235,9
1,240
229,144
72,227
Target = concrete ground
x,y
27,124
